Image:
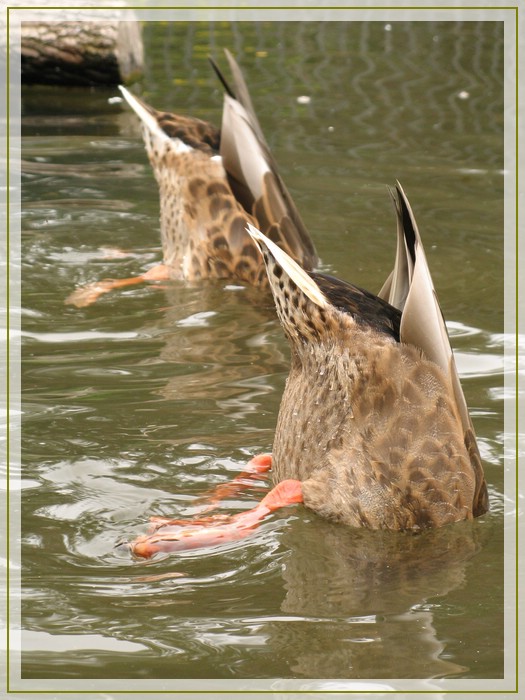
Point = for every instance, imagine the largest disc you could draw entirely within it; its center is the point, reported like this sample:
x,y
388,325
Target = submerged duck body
x,y
211,182
373,422
373,428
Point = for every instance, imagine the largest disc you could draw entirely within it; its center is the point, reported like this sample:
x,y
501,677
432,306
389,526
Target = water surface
x,y
135,406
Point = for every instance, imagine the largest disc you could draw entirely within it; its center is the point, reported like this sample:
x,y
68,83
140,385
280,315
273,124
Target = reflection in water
x,y
378,586
215,336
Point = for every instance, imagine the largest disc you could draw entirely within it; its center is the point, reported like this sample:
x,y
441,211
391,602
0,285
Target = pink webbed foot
x,y
256,468
178,535
85,296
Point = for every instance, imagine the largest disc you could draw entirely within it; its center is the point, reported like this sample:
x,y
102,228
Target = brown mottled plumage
x,y
212,182
373,429
373,421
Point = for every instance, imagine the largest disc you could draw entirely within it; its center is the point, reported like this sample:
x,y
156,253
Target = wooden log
x,y
81,53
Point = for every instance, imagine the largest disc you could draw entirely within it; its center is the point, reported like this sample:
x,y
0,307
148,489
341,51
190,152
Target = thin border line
x,y
271,7
8,352
250,691
516,322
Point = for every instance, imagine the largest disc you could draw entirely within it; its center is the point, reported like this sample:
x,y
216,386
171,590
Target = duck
x,y
373,429
211,183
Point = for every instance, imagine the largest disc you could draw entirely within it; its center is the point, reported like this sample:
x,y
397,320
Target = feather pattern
x,y
372,419
212,182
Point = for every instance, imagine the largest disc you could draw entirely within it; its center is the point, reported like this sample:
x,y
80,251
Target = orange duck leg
x,y
85,296
177,535
256,468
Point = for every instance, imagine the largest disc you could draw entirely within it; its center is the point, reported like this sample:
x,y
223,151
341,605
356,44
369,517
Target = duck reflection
x,y
374,589
208,334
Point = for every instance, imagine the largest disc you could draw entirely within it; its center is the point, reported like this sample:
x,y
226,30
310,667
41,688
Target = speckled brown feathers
x,y
369,424
194,132
212,182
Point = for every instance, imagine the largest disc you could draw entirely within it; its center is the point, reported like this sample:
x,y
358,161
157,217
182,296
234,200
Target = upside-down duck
x,y
211,182
373,428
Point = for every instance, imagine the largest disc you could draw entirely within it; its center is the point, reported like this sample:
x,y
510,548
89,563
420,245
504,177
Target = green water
x,y
138,404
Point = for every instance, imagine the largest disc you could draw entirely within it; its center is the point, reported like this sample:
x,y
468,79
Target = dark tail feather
x,y
221,78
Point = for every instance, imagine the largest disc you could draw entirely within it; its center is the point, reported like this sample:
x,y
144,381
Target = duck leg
x,y
256,468
177,535
87,295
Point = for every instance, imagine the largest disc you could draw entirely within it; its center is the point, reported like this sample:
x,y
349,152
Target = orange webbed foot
x,y
256,468
179,535
87,295
172,535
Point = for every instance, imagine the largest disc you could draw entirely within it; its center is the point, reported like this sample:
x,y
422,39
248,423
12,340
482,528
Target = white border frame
x,y
177,11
